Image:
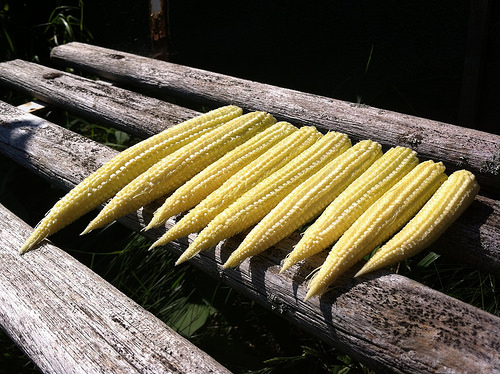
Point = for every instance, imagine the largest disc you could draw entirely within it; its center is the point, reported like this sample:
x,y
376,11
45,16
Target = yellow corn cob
x,y
121,169
352,202
252,206
178,167
242,181
442,209
307,200
212,177
387,215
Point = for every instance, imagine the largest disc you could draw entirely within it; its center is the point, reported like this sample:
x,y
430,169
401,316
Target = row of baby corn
x,y
231,171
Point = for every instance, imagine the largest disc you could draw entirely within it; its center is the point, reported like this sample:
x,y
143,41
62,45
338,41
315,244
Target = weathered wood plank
x,y
69,320
457,147
29,140
104,103
385,320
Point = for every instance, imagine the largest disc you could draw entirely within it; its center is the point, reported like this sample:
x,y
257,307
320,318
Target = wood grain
x,y
387,321
69,320
457,147
123,109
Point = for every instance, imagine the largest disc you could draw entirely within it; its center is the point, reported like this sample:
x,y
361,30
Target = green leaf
x,y
190,318
121,137
428,260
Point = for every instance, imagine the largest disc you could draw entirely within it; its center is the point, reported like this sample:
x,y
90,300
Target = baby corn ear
x,y
353,202
387,215
172,171
307,200
252,206
121,169
445,206
259,169
212,177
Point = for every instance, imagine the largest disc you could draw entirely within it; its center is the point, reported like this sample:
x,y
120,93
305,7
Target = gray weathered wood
x,y
385,320
69,320
102,102
457,147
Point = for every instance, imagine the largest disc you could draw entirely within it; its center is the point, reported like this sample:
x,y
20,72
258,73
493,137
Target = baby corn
x,y
121,169
212,177
175,169
443,208
242,181
307,200
381,220
352,202
252,206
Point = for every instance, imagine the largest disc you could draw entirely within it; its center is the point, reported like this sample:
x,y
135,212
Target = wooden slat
x,y
69,320
457,147
385,320
104,103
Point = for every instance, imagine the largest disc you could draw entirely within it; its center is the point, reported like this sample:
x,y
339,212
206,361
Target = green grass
x,y
66,24
44,25
454,279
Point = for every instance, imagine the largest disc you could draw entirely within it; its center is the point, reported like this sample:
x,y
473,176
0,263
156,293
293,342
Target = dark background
x,y
412,57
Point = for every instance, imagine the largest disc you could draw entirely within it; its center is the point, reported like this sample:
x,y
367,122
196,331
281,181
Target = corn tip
x,y
32,242
169,236
314,288
25,248
154,245
362,271
163,240
87,230
286,265
310,293
149,226
233,261
181,259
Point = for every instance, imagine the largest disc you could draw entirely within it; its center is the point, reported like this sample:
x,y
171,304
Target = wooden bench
x,y
67,319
